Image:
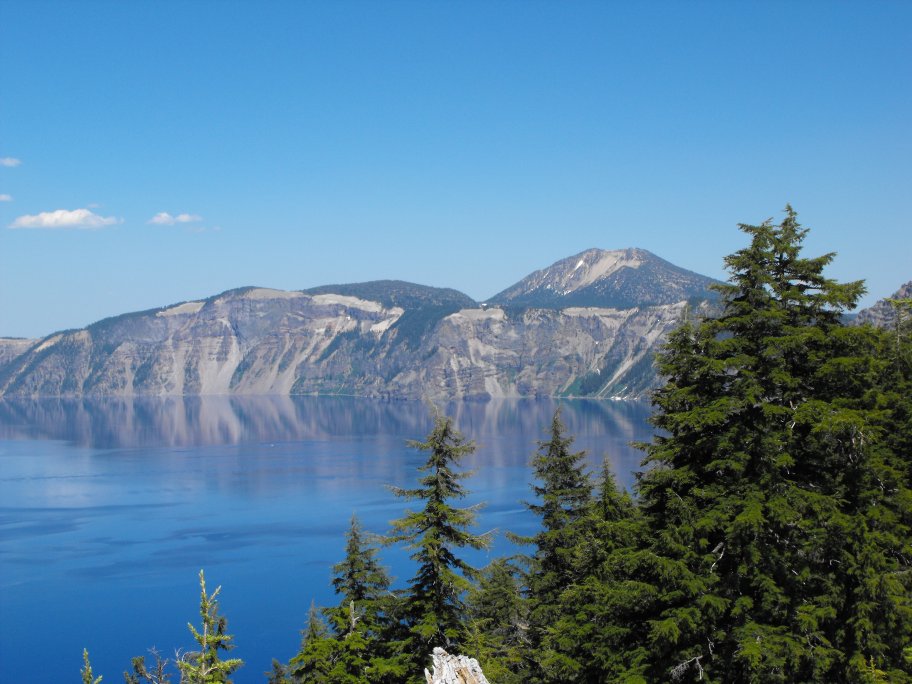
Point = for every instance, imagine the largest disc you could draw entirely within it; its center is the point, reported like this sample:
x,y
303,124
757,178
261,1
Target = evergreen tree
x,y
359,577
278,674
86,671
142,673
599,638
563,493
759,501
206,666
315,657
497,628
434,606
874,622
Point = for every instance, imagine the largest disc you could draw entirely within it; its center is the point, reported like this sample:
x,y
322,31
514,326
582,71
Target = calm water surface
x,y
109,508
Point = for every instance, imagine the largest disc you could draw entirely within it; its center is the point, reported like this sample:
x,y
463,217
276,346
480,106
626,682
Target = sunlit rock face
x,y
380,339
883,313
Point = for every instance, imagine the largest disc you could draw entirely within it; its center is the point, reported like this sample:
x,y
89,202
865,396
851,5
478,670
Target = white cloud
x,y
163,218
64,218
9,161
6,198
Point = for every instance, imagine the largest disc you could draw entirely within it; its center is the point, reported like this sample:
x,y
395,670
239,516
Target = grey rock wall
x,y
259,341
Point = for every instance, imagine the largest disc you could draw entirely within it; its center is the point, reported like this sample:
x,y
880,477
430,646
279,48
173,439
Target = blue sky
x,y
458,144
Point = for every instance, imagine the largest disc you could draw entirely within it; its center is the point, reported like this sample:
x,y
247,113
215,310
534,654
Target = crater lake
x,y
110,507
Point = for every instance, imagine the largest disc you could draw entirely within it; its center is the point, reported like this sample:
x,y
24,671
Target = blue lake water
x,y
109,508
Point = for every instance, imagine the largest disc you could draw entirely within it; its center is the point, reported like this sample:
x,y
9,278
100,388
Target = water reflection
x,y
221,420
115,504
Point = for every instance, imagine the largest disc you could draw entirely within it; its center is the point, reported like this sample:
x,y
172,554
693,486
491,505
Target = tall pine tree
x,y
759,499
599,636
563,498
434,601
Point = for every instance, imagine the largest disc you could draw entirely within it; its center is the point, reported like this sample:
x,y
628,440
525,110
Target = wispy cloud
x,y
6,198
9,161
64,218
163,218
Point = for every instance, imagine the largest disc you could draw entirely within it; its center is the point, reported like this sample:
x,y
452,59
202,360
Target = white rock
x,y
454,669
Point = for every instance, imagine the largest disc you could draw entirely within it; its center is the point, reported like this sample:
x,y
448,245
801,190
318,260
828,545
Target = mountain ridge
x,y
384,338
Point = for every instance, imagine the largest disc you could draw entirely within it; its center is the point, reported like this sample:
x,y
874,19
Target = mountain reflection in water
x,y
109,508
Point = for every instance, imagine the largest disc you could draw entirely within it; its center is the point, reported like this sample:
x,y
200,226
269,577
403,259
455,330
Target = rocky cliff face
x,y
883,313
381,339
12,347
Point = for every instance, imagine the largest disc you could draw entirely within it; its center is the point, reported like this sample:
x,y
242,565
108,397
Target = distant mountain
x,y
882,314
422,306
588,326
618,279
393,293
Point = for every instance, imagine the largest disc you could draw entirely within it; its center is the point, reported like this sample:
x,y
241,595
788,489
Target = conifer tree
x,y
142,673
315,657
599,637
497,628
361,622
359,576
434,601
86,671
278,674
759,498
206,666
563,493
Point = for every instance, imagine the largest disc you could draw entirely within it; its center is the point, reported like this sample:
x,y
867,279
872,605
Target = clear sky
x,y
192,147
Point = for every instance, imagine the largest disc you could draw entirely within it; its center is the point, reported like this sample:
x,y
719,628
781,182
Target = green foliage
x,y
278,674
359,577
315,657
784,557
392,293
433,602
563,494
205,666
355,646
142,673
603,632
86,671
496,633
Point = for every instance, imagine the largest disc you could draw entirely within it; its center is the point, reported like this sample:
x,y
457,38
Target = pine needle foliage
x,y
359,577
599,636
206,666
760,501
563,498
88,676
156,674
315,658
497,629
354,649
434,600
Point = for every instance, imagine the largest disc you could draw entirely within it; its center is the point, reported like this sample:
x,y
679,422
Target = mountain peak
x,y
621,278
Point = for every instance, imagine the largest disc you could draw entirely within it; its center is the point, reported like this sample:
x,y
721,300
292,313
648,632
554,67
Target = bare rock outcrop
x,y
454,669
883,314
